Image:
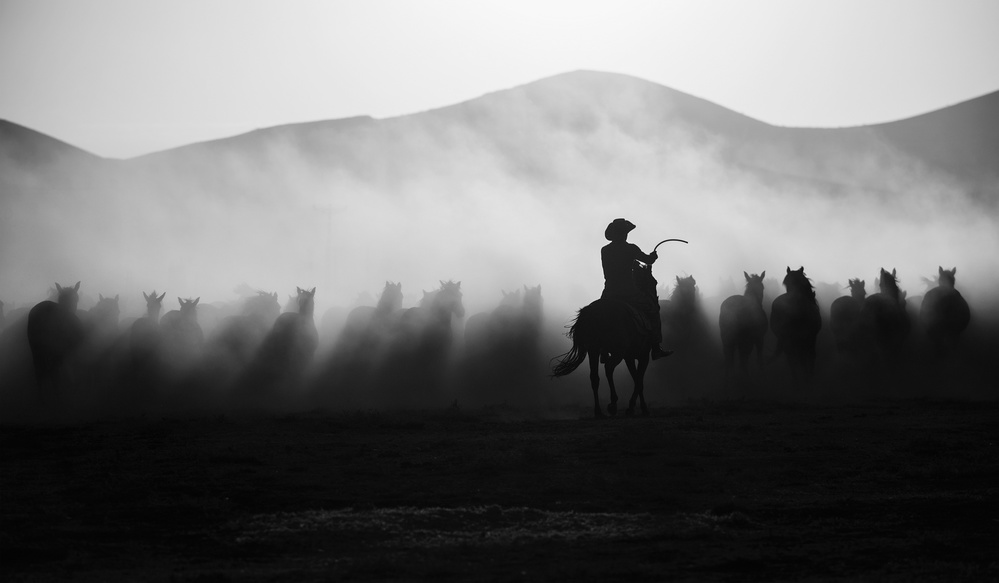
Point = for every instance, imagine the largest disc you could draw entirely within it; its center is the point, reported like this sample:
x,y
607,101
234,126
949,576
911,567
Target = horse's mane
x,y
889,281
685,288
798,281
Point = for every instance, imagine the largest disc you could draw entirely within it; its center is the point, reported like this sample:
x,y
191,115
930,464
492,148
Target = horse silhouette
x,y
54,335
743,324
515,321
501,354
101,321
237,338
144,344
102,351
845,321
349,373
418,349
183,338
796,321
944,313
367,326
885,320
285,354
151,319
621,333
681,315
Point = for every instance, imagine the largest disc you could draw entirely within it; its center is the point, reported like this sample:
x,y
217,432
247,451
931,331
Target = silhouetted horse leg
x,y
609,373
594,358
637,371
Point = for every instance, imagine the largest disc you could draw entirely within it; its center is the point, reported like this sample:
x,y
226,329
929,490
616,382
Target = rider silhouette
x,y
618,257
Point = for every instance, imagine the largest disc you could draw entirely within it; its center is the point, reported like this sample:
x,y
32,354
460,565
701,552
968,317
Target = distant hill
x,y
489,186
521,124
25,148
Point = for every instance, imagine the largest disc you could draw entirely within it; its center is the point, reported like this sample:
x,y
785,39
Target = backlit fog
x,y
513,189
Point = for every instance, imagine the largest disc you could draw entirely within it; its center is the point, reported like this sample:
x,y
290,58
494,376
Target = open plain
x,y
887,490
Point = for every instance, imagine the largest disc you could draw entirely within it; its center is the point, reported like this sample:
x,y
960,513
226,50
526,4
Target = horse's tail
x,y
571,360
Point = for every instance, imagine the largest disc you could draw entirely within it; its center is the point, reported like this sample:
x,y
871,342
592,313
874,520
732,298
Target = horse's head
x,y
153,303
306,300
510,298
391,298
754,284
946,276
857,290
888,283
189,307
532,296
262,308
448,298
68,297
107,309
797,282
685,290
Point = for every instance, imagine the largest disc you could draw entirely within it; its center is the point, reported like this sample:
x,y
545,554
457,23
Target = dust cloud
x,y
503,194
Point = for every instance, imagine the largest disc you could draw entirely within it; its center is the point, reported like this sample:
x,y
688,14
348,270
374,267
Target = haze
x,y
122,78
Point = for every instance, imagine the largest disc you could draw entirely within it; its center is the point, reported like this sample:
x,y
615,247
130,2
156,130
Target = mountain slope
x,y
510,188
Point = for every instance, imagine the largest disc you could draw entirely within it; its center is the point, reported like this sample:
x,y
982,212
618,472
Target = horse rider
x,y
618,257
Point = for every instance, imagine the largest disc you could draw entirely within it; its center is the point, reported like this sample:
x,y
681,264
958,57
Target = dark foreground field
x,y
895,490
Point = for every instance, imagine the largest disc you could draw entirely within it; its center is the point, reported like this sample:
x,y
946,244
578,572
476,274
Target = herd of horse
x,y
261,357
870,331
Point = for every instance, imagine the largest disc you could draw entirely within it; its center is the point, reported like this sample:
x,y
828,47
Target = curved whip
x,y
666,241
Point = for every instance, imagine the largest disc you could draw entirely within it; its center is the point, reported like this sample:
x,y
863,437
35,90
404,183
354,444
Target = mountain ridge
x,y
991,98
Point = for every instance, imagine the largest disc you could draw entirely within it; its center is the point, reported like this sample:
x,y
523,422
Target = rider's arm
x,y
647,259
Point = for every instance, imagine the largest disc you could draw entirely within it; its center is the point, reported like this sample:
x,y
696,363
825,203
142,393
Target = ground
x,y
886,490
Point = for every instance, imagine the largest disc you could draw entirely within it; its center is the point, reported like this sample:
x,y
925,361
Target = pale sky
x,y
125,77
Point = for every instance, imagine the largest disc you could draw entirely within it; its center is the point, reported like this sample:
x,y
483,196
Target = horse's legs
x,y
609,367
638,376
630,363
643,365
594,358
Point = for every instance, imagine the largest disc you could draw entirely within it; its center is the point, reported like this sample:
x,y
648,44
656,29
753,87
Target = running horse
x,y
619,331
796,321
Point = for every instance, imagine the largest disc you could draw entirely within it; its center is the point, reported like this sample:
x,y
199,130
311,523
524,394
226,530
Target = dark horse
x,y
844,320
54,334
944,314
743,324
621,332
285,355
796,321
682,322
418,346
501,354
885,320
